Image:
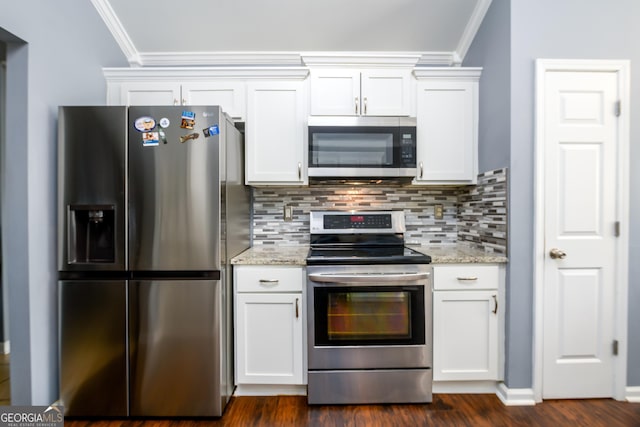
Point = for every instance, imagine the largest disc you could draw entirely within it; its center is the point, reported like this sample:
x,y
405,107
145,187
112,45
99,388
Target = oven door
x,y
372,317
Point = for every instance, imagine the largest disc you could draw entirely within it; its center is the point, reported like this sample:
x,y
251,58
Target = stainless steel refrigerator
x,y
151,207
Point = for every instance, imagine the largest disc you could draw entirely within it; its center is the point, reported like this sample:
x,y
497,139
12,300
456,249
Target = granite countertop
x,y
459,254
273,255
296,255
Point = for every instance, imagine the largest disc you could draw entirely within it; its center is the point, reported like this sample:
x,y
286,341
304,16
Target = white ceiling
x,y
210,32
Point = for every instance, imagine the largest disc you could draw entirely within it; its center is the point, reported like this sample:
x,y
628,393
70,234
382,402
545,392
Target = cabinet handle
x,y
468,279
356,105
365,105
495,299
175,101
299,170
184,101
421,169
269,282
297,310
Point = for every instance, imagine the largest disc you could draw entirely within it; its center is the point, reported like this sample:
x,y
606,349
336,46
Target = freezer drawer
x,y
176,346
93,353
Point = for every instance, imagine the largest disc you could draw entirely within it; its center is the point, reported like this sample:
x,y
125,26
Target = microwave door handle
x,y
367,278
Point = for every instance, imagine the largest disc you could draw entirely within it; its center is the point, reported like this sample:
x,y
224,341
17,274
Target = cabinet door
x,y
465,335
150,93
269,338
386,92
335,92
230,95
447,132
276,141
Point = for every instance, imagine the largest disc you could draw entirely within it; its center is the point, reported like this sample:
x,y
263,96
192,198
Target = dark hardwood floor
x,y
473,410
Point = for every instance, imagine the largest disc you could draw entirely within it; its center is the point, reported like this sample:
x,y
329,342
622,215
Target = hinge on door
x,y
616,228
615,347
617,108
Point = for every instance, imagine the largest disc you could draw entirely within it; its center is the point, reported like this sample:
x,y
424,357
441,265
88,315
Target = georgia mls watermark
x,y
31,416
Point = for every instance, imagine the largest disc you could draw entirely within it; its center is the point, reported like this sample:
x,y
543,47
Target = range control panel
x,y
359,221
335,222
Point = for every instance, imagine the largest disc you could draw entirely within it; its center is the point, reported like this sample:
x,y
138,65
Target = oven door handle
x,y
367,278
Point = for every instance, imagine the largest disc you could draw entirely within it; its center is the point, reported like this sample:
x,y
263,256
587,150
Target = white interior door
x,y
581,141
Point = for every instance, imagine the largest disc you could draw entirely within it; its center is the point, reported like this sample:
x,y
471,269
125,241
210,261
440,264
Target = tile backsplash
x,y
473,214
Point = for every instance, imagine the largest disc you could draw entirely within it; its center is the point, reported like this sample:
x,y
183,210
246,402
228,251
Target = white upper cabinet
x,y
447,126
356,92
275,133
146,93
177,87
230,95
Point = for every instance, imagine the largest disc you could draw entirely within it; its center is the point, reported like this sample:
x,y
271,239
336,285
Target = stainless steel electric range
x,y
369,305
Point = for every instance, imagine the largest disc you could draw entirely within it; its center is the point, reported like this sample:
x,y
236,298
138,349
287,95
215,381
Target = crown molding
x,y
470,31
442,59
468,73
282,59
116,28
361,59
203,73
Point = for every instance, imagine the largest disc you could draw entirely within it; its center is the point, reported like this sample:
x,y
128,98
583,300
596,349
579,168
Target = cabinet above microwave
x,y
363,147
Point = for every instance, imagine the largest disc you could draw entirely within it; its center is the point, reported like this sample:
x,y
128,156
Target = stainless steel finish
x,y
360,172
365,105
362,387
174,196
361,121
269,282
379,279
299,170
421,169
92,347
495,300
468,279
369,357
316,221
91,172
556,253
188,216
357,102
175,337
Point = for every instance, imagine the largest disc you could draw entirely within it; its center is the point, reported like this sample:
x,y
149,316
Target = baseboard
x,y
632,394
464,387
270,390
5,347
515,396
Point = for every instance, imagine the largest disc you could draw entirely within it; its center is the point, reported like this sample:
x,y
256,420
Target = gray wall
x,y
58,61
491,50
573,29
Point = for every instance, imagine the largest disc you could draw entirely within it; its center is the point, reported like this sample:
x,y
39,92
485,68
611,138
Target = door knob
x,y
556,253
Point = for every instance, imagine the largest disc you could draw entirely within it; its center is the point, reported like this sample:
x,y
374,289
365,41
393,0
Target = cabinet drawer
x,y
266,278
464,277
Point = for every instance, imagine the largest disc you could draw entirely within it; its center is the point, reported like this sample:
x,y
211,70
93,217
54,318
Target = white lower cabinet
x,y
269,326
467,322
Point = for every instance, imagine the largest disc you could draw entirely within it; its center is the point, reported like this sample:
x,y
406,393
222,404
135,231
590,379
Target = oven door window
x,y
369,315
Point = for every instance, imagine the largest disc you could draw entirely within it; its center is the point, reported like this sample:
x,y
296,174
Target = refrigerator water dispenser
x,y
91,234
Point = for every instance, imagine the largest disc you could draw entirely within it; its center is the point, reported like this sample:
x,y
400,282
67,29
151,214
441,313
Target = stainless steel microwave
x,y
362,147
